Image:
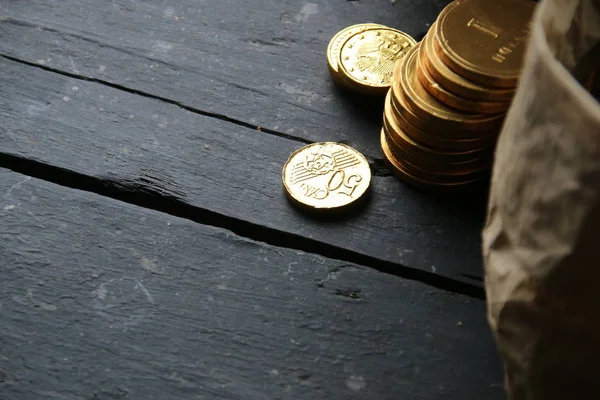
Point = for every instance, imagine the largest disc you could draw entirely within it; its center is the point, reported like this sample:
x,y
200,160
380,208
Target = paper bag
x,y
541,242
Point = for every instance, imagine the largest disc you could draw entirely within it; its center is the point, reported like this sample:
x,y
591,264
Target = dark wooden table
x,y
147,250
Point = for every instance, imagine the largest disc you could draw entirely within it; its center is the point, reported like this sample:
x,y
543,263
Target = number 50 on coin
x,y
326,175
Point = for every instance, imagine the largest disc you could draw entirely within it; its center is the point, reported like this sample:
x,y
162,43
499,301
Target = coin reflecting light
x,y
454,82
326,175
448,120
368,58
484,40
335,44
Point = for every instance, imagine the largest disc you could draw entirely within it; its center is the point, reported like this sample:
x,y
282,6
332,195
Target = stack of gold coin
x,y
363,57
450,93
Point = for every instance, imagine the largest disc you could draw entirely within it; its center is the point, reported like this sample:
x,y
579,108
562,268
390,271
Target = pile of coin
x,y
449,93
446,99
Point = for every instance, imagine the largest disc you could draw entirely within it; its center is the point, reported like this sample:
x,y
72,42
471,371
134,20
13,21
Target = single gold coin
x,y
432,140
438,115
450,99
400,171
367,59
326,175
335,46
453,82
484,40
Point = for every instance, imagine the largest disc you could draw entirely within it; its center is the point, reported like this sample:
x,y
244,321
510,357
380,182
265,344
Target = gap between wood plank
x,y
132,193
377,165
210,164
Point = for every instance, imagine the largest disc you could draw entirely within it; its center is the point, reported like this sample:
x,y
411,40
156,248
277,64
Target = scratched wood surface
x,y
147,249
101,299
144,145
260,62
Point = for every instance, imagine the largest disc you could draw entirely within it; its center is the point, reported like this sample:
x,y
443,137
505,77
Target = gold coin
x,y
484,40
368,58
403,109
452,100
439,116
432,165
453,82
441,176
335,46
434,160
326,175
430,168
399,170
434,127
431,140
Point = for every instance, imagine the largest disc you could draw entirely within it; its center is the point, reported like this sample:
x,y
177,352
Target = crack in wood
x,y
353,294
378,167
169,202
220,117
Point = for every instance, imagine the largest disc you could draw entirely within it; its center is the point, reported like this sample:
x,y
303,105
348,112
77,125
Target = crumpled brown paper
x,y
541,243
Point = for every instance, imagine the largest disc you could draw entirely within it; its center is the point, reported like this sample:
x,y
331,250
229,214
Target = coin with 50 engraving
x,y
326,175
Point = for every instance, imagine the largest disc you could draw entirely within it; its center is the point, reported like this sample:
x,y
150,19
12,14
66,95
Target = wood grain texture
x,y
258,61
147,146
103,300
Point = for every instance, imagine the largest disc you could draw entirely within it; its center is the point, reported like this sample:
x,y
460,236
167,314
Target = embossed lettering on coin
x,y
326,175
483,40
369,57
335,45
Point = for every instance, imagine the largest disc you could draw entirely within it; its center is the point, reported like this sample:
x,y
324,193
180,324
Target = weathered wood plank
x,y
101,299
143,145
258,61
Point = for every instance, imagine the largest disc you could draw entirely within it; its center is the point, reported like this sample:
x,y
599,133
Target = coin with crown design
x,y
335,46
368,58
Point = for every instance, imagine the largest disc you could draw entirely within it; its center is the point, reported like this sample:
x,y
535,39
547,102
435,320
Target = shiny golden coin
x,y
326,175
484,40
431,140
422,167
439,116
441,176
429,162
404,110
440,160
368,58
399,170
450,99
433,127
453,82
335,46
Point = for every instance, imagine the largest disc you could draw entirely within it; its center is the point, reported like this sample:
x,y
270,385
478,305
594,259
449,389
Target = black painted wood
x,y
258,61
103,300
146,146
